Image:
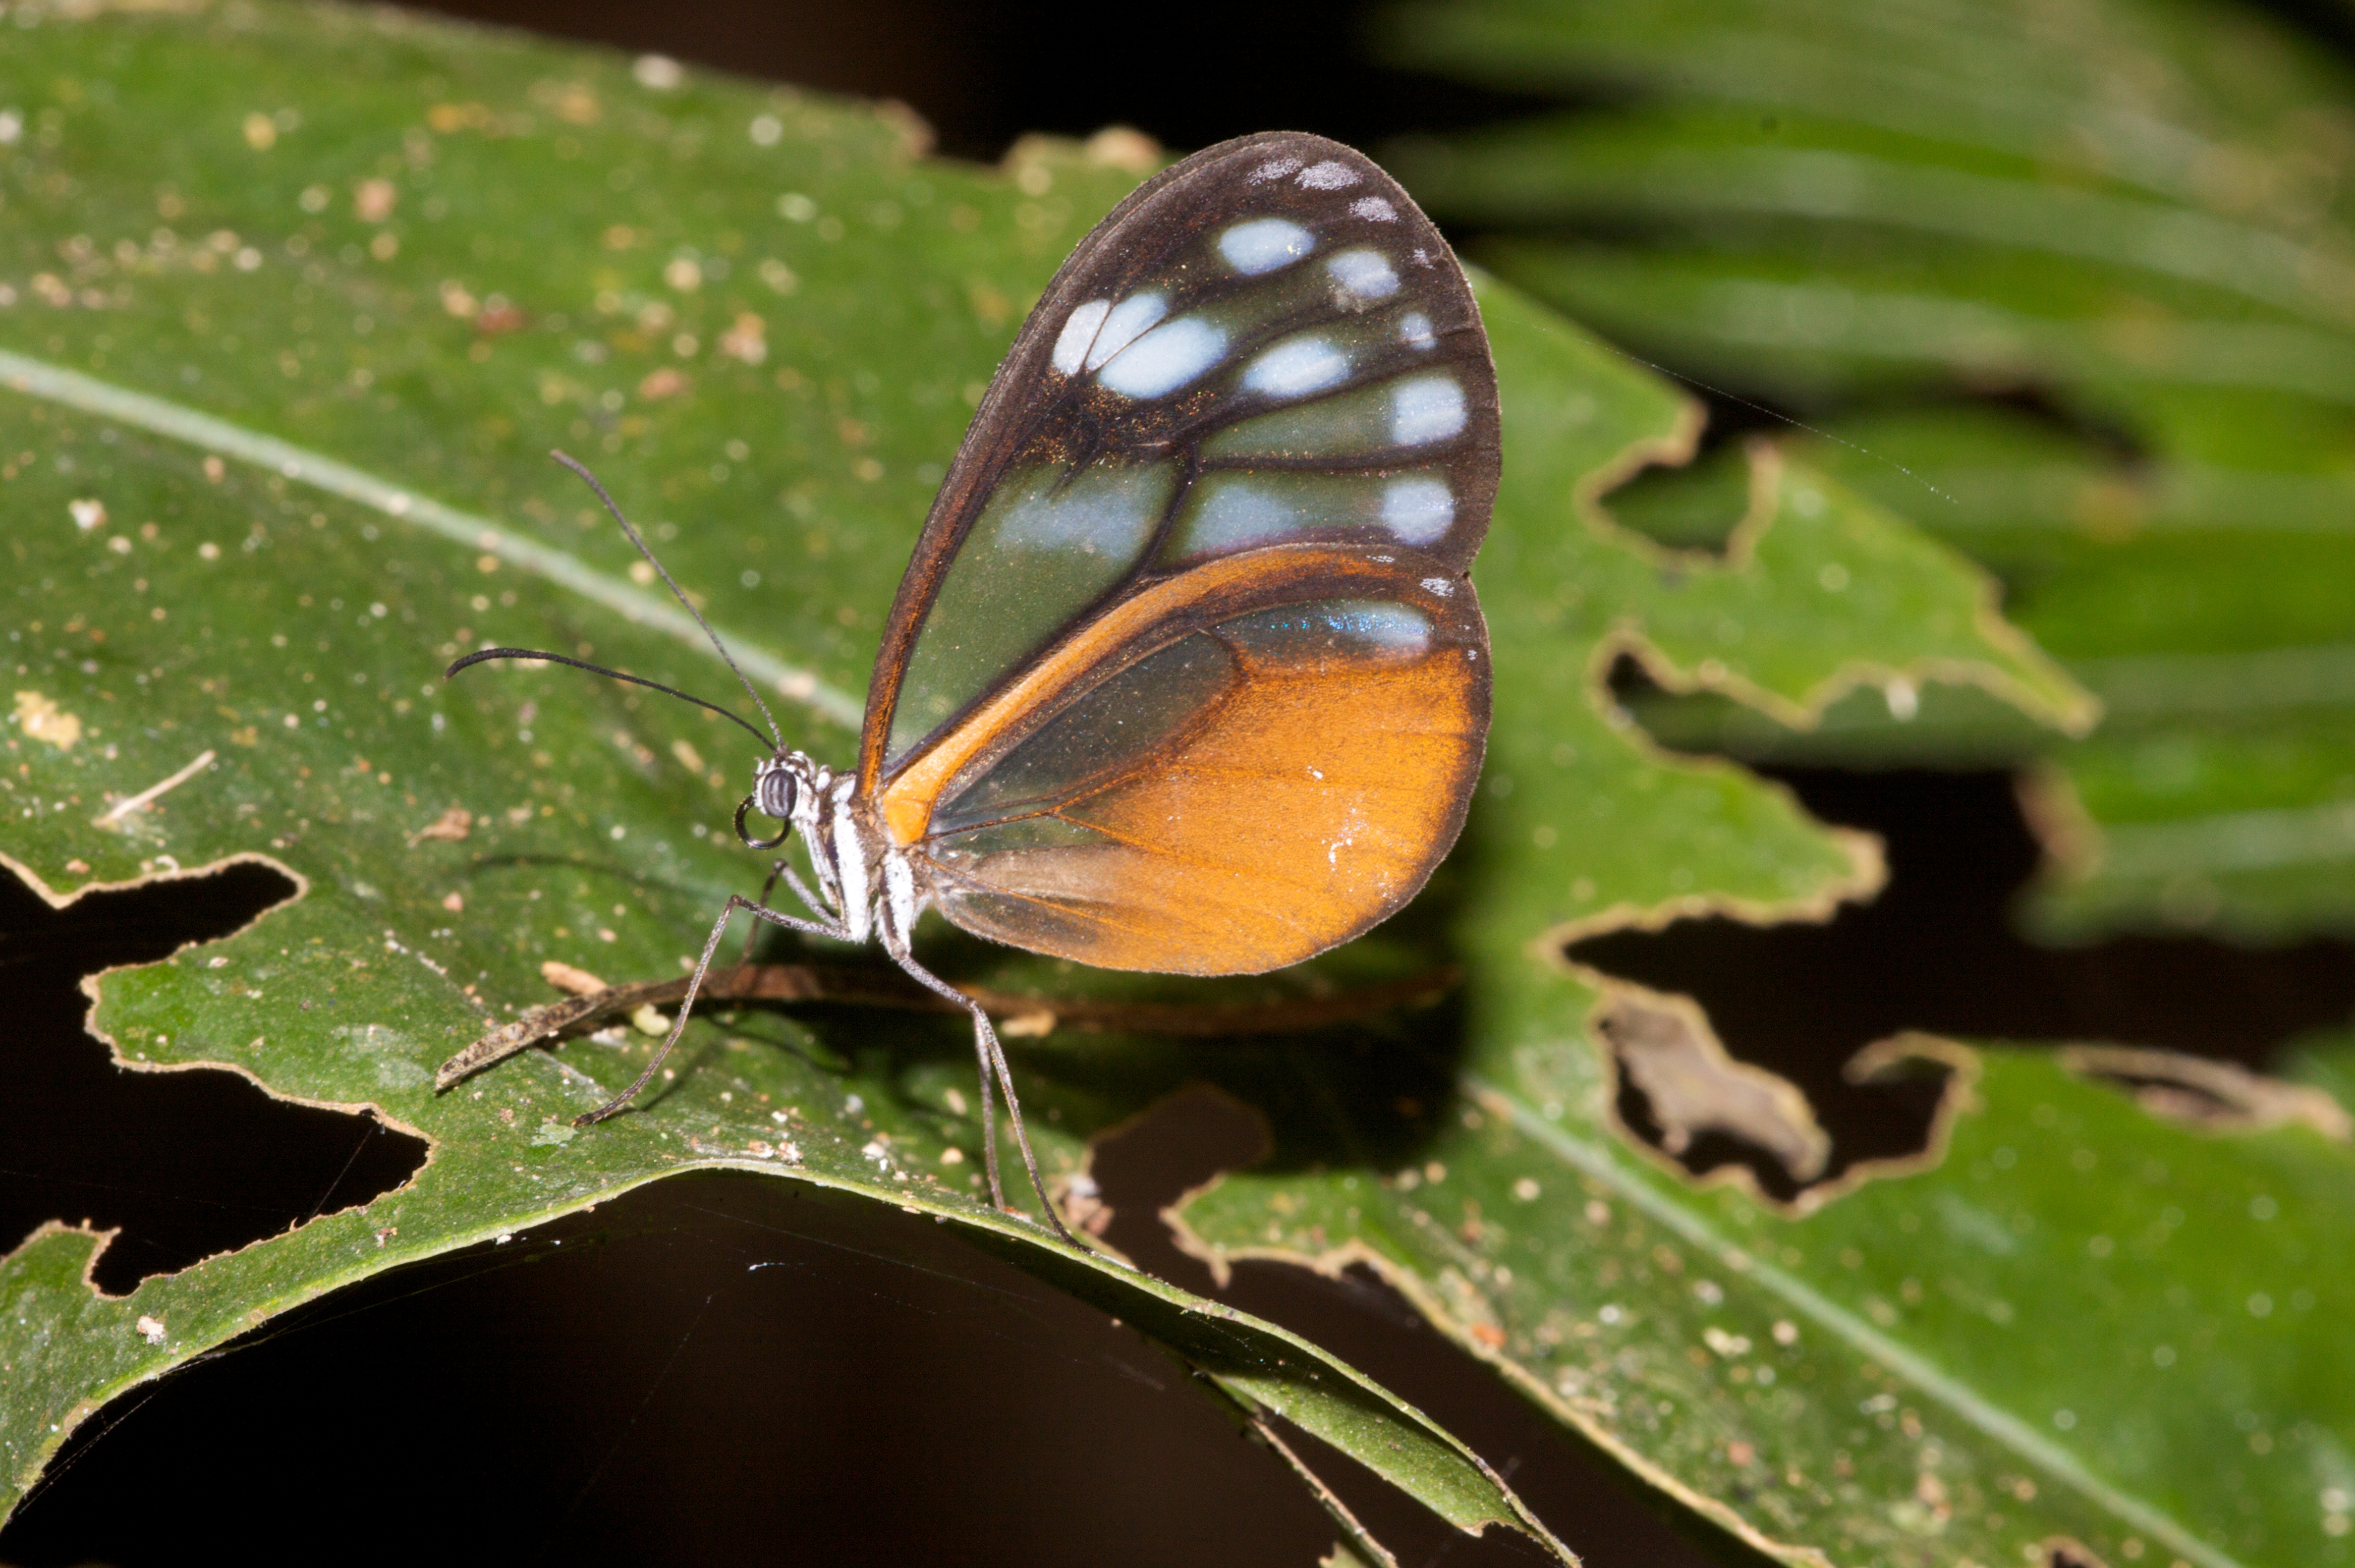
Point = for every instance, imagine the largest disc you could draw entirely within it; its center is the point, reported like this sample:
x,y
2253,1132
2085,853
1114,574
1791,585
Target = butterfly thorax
x,y
870,882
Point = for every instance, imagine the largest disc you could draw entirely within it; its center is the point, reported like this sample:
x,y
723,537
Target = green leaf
x,y
298,300
2134,213
572,257
2030,1334
2075,1324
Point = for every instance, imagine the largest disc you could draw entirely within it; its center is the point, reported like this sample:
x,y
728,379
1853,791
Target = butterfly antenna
x,y
777,737
483,654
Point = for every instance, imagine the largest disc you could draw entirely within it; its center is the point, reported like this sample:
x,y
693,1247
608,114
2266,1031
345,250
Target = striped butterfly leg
x,y
783,871
695,985
993,1061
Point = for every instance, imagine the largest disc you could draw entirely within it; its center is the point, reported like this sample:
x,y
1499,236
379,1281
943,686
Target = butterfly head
x,y
788,787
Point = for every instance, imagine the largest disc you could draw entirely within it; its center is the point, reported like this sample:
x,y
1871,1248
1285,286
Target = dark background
x,y
718,1364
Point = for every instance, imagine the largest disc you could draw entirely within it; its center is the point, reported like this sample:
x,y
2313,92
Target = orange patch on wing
x,y
1311,804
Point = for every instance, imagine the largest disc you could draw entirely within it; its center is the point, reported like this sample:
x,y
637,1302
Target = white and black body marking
x,y
870,887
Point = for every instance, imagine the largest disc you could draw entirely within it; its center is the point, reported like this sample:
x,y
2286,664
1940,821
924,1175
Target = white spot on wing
x,y
1426,408
1330,174
1127,323
1295,367
1418,508
1238,513
1079,331
1414,330
1364,274
1165,358
1273,169
1264,244
1438,587
1374,210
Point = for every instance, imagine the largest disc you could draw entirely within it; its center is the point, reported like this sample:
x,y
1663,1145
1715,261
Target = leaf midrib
x,y
55,384
1806,1301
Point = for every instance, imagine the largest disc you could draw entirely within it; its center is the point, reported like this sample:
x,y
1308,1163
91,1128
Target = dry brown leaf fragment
x,y
566,977
1693,1087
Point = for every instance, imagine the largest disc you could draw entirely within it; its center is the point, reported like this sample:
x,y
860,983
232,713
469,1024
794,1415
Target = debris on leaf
x,y
43,719
565,978
450,826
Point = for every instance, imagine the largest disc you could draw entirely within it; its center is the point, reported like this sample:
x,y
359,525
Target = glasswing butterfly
x,y
1186,674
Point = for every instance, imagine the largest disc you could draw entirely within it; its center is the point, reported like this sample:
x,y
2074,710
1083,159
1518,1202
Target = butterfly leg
x,y
695,984
993,1061
801,890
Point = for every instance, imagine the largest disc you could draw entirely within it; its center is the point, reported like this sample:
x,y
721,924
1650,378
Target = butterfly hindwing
x,y
1271,767
1268,343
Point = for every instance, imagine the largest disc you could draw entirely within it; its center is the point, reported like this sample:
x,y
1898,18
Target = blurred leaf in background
x,y
2072,286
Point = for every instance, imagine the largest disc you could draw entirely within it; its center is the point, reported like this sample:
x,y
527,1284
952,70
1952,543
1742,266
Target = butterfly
x,y
1187,673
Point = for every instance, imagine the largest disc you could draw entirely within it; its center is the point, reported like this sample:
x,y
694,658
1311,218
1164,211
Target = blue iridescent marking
x,y
1392,628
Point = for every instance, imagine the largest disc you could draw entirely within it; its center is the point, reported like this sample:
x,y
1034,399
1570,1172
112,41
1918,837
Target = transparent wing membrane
x,y
1269,344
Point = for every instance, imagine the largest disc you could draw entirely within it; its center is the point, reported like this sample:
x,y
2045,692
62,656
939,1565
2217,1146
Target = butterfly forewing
x,y
1186,674
1268,343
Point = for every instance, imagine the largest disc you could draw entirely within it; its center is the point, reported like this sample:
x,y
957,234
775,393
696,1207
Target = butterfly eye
x,y
772,795
776,795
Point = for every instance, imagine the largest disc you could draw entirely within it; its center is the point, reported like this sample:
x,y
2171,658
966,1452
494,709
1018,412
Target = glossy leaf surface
x,y
1580,821
2073,1319
351,280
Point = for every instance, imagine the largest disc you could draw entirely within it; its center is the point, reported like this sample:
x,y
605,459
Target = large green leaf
x,y
380,301
2137,213
2070,1320
298,298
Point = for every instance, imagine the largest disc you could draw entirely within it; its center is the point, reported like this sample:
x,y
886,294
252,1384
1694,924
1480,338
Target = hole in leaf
x,y
1937,951
184,1164
984,76
1694,506
2214,1096
1678,1082
1150,1162
2069,1554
